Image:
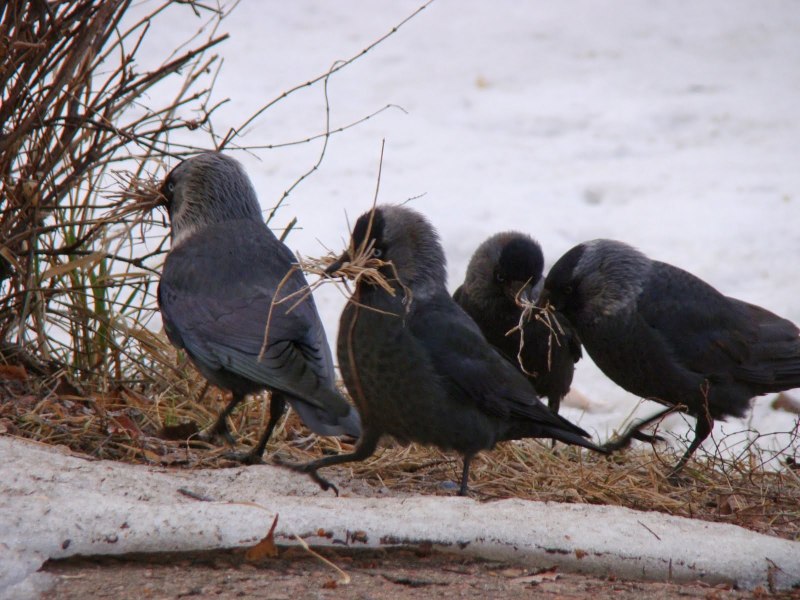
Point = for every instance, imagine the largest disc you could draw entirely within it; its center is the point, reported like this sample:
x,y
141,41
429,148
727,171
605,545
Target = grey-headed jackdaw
x,y
216,295
665,335
505,267
417,366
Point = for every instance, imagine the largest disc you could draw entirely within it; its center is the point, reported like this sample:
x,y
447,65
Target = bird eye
x,y
567,290
377,252
170,187
499,278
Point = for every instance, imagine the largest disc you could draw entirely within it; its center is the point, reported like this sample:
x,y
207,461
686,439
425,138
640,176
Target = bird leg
x,y
646,437
464,489
702,430
220,426
365,448
633,432
277,406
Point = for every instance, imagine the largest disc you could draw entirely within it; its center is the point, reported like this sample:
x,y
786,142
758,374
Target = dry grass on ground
x,y
130,427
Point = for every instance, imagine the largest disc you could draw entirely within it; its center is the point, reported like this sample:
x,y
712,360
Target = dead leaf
x,y
549,575
728,505
331,584
512,572
786,403
151,456
579,554
13,373
266,548
178,457
181,431
120,423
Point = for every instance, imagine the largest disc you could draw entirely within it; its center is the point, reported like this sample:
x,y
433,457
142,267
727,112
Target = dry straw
x,y
544,314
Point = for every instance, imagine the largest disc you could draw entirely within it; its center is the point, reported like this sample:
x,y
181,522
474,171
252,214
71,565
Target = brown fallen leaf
x,y
13,373
579,554
512,573
786,403
181,431
537,578
730,504
120,423
266,548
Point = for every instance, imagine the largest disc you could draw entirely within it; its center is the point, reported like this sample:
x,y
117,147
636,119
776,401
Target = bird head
x,y
404,242
205,189
506,268
595,279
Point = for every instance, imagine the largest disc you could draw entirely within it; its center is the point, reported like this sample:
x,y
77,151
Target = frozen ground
x,y
672,125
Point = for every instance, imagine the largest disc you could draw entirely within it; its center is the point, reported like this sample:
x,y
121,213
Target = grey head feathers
x,y
406,239
205,189
601,277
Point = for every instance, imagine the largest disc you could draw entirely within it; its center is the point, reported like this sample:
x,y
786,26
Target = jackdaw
x,y
216,298
416,365
665,335
507,267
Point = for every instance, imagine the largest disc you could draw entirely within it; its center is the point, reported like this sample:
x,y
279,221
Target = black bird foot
x,y
625,441
214,433
675,478
310,470
616,444
646,437
246,458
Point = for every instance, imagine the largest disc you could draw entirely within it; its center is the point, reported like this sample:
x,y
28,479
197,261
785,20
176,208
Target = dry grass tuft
x,y
544,314
753,489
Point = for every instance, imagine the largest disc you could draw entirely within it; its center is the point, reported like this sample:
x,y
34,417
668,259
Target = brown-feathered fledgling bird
x,y
506,268
216,290
665,335
417,367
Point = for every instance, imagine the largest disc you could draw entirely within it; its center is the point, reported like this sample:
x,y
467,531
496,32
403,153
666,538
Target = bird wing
x,y
215,295
470,367
718,336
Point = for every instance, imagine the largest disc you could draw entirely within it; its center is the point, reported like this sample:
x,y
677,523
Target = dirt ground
x,y
378,575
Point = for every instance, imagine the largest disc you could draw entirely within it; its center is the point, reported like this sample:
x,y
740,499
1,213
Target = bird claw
x,y
646,437
675,478
309,470
617,444
245,458
215,432
625,440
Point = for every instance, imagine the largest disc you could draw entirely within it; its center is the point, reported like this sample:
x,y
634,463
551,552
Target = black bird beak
x,y
535,291
163,199
337,264
522,291
544,299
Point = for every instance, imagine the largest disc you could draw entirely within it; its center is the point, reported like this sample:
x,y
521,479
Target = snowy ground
x,y
107,507
672,125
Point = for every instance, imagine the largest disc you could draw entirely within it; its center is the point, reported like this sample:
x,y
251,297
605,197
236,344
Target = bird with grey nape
x,y
505,268
416,365
665,335
222,273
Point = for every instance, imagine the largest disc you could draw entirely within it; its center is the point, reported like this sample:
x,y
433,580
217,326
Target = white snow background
x,y
671,125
